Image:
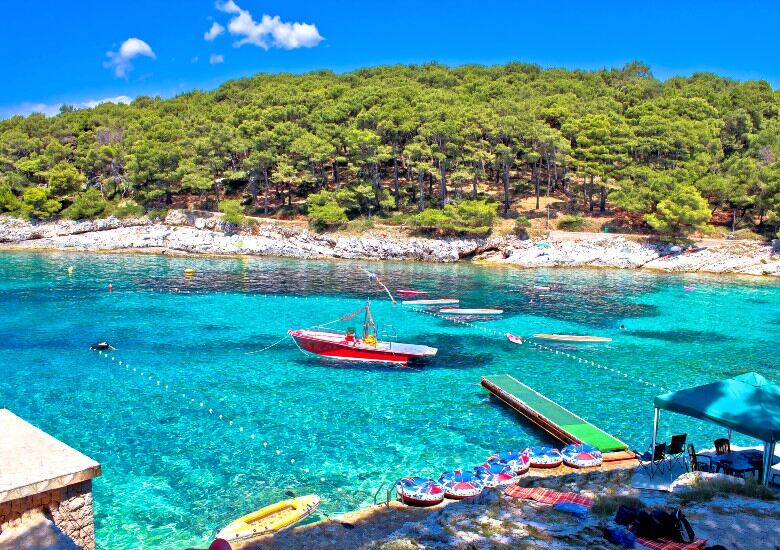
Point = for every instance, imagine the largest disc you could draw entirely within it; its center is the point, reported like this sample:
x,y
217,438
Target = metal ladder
x,y
388,493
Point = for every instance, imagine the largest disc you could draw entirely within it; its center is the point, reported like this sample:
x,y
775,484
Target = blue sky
x,y
58,52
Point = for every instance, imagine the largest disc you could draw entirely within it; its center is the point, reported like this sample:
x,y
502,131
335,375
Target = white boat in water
x,y
435,302
473,311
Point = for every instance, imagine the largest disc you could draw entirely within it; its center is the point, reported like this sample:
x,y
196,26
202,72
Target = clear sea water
x,y
173,472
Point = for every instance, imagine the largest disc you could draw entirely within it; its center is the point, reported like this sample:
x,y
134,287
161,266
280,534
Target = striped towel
x,y
663,544
547,496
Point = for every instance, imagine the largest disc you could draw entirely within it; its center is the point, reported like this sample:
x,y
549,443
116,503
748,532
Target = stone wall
x,y
70,508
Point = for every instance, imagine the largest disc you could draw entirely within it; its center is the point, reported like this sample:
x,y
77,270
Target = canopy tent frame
x,y
748,404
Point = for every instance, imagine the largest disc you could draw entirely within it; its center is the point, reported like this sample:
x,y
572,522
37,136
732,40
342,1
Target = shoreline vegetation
x,y
204,233
456,151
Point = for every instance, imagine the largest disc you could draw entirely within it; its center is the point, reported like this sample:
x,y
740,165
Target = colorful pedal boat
x,y
581,456
544,457
419,491
495,474
517,460
461,484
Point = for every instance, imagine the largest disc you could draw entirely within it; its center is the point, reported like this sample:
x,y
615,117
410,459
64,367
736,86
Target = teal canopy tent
x,y
748,404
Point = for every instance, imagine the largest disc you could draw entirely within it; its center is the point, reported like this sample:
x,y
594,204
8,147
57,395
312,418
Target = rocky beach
x,y
496,521
184,232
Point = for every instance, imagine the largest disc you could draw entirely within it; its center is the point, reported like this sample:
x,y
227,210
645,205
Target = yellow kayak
x,y
270,519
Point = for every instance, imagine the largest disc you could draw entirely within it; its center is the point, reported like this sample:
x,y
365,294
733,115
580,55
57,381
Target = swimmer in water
x,y
110,287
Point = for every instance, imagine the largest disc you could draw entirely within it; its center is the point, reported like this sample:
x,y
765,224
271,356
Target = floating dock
x,y
560,423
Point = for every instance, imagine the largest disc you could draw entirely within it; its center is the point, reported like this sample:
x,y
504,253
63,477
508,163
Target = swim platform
x,y
548,415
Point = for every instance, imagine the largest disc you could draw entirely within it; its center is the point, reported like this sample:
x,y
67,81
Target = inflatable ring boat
x,y
544,457
419,491
495,474
581,456
517,460
459,484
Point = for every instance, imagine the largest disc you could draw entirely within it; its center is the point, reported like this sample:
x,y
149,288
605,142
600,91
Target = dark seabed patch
x,y
680,336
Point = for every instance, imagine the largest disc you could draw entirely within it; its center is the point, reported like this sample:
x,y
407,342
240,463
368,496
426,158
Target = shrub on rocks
x,y
232,212
328,215
571,223
37,204
88,205
464,218
130,209
521,227
8,201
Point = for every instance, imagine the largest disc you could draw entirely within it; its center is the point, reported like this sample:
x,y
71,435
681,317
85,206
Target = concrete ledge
x,y
33,462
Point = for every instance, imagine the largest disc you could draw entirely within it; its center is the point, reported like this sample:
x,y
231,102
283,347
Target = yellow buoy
x,y
70,269
189,272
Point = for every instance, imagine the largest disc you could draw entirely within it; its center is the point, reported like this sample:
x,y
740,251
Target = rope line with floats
x,y
225,420
533,342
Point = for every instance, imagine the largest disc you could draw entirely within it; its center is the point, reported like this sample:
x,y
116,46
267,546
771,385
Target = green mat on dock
x,y
566,420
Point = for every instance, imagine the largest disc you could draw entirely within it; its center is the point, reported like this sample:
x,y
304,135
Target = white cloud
x,y
270,32
95,102
216,58
215,30
24,109
51,109
131,48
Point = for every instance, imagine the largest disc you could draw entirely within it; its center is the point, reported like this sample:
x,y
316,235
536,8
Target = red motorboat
x,y
405,293
349,346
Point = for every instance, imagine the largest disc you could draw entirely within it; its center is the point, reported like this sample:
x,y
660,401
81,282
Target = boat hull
x,y
420,502
464,311
270,519
436,302
334,346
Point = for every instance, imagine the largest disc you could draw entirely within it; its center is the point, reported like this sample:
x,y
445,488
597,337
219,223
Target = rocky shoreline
x,y
184,232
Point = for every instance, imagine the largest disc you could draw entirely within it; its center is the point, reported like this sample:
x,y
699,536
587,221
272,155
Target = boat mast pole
x,y
365,319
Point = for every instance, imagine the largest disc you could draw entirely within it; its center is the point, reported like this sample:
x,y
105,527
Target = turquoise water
x,y
173,472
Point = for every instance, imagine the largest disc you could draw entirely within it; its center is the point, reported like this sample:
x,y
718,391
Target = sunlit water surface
x,y
173,472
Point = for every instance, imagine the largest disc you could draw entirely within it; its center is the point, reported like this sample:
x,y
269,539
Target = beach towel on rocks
x,y
547,496
663,544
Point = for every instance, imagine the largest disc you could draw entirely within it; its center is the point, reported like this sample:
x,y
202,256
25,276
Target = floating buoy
x,y
544,457
220,544
189,272
495,474
581,456
418,491
459,484
517,460
70,269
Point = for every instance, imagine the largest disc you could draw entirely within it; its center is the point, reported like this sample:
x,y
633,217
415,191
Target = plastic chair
x,y
698,463
676,450
722,446
654,462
